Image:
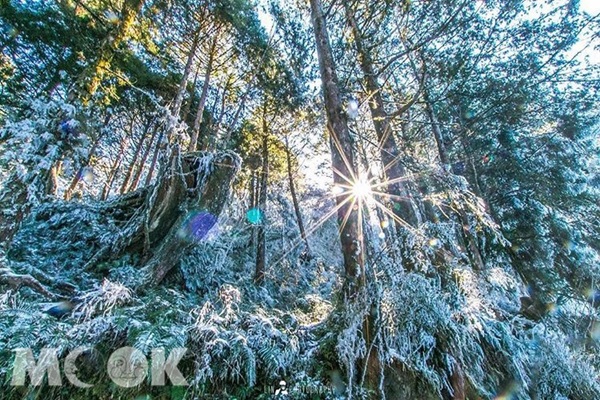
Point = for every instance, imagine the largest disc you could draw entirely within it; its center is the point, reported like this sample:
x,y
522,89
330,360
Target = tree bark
x,y
295,197
184,229
253,183
138,149
52,182
140,168
342,157
185,113
91,154
253,199
115,167
157,149
204,94
437,133
237,114
208,144
186,75
261,245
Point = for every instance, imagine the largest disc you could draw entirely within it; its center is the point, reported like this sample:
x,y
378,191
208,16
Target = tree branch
x,y
7,276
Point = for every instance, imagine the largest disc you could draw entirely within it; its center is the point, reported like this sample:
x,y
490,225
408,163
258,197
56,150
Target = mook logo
x,y
127,367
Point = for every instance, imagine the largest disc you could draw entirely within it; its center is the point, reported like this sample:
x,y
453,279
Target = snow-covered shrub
x,y
62,236
209,264
416,323
32,145
557,371
103,299
239,347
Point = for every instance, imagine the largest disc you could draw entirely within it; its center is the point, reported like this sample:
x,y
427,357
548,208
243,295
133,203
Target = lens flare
x,y
361,189
353,109
87,175
254,216
200,223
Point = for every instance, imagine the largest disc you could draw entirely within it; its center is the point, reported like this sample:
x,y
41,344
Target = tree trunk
x,y
253,200
470,236
295,197
91,154
210,192
157,149
185,113
252,189
52,182
342,157
114,168
457,381
140,168
186,75
236,116
437,133
138,149
205,86
208,144
165,220
261,248
394,171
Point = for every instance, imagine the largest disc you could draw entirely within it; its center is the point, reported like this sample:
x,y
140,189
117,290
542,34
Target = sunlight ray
x,y
386,182
386,167
310,230
350,180
348,212
342,153
361,238
390,196
346,191
394,216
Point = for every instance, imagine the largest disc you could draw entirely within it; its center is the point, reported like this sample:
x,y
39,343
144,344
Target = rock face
x,y
154,225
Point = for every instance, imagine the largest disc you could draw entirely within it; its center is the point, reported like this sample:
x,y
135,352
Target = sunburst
x,y
361,189
363,193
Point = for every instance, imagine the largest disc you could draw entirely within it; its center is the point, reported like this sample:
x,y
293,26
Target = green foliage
x,y
45,38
